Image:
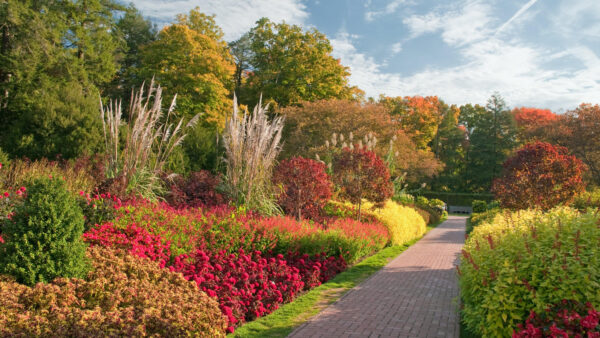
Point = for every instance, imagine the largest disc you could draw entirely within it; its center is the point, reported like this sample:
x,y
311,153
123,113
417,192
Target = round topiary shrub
x,y
306,187
123,296
43,238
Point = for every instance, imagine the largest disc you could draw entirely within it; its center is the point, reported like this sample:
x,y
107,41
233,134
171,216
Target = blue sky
x,y
540,53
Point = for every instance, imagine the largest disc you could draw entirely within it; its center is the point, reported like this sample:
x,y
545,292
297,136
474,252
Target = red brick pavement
x,y
415,295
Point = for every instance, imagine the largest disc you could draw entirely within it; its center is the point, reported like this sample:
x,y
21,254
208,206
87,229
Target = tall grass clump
x,y
149,138
252,143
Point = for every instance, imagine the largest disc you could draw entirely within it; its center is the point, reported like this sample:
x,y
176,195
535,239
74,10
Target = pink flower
x,y
81,193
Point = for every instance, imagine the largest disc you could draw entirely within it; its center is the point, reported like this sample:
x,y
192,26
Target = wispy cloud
x,y
235,17
516,15
460,24
390,8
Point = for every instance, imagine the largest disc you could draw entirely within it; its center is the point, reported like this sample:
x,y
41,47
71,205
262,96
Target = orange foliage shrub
x,y
123,296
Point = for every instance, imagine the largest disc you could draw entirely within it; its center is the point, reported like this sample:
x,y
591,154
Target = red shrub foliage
x,y
360,173
306,187
199,189
134,240
539,175
568,319
246,285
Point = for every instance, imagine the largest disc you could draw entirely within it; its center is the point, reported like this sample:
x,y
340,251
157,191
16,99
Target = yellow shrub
x,y
403,223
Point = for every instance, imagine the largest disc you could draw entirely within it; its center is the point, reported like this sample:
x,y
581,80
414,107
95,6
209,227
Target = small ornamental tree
x,y
44,237
539,175
306,187
361,174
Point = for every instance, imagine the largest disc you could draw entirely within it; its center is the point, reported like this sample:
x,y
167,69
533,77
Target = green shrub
x,y
4,158
425,214
479,206
43,239
404,199
587,199
478,218
123,296
457,198
528,261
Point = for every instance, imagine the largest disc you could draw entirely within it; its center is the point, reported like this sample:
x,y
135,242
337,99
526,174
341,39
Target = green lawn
x,y
283,321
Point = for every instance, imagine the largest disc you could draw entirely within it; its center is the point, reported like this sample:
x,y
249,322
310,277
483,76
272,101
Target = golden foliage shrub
x,y
403,223
528,261
123,296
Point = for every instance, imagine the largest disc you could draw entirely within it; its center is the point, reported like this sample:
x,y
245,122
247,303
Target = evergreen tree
x,y
492,136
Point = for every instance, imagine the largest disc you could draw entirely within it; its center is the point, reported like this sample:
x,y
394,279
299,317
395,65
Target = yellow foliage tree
x,y
191,59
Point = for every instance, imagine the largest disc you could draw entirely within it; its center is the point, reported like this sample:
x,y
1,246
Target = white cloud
x,y
390,8
235,17
508,65
459,25
396,47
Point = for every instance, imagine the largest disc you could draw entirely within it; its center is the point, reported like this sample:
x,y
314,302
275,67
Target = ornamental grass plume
x,y
150,138
252,143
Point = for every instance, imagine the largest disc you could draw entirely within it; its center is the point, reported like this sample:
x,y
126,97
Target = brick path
x,y
415,295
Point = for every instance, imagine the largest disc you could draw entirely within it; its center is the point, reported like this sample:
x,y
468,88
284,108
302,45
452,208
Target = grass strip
x,y
289,316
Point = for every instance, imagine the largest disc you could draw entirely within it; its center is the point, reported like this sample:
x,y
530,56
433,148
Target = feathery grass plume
x,y
149,139
252,144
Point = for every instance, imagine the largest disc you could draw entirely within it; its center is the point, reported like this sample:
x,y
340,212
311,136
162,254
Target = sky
x,y
534,53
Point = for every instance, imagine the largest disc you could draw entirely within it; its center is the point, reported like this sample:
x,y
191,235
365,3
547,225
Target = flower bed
x,y
250,264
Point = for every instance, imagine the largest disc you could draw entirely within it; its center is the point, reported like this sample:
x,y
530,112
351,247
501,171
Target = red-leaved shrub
x,y
198,189
247,285
361,174
539,175
306,187
567,319
134,240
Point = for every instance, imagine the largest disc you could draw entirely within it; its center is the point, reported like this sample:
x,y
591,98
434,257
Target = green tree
x,y
449,146
491,134
289,65
135,31
54,56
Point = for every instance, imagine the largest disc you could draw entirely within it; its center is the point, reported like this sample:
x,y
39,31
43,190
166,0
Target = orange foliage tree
x,y
418,116
579,131
533,123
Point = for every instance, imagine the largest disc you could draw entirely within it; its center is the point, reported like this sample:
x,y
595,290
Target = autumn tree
x,y
533,123
288,65
539,175
361,174
419,116
191,59
310,126
305,187
579,131
491,137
